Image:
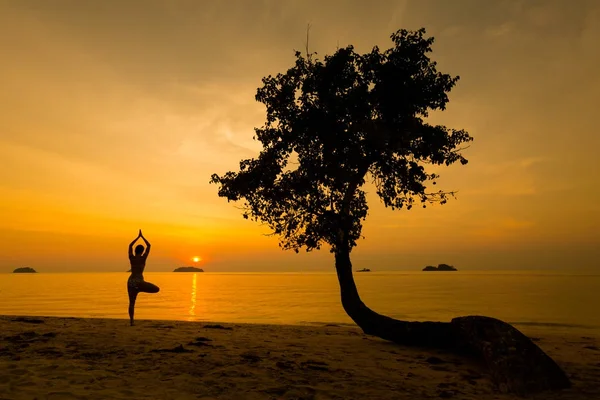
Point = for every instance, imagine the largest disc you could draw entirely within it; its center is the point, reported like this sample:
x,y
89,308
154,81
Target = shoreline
x,y
533,327
98,358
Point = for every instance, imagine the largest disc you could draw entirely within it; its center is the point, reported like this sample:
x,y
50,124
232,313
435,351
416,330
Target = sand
x,y
74,358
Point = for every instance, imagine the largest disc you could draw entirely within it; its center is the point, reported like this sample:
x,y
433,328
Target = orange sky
x,y
113,117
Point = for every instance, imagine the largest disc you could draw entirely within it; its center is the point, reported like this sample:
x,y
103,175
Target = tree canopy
x,y
330,126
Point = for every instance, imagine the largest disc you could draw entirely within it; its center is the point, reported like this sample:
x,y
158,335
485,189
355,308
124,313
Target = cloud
x,y
124,110
500,30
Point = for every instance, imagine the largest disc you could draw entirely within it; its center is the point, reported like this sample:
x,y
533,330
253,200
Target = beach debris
x,y
446,391
160,326
199,344
471,375
50,352
201,341
315,365
285,364
176,349
251,357
435,360
92,355
28,320
217,326
24,338
446,385
279,390
446,394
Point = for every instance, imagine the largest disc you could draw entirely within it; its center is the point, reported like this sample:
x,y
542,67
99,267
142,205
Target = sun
x,y
196,259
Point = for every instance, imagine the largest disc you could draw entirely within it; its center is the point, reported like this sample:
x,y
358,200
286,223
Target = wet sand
x,y
75,358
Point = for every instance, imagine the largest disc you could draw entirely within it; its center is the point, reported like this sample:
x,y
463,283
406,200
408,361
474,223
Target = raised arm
x,y
147,251
132,243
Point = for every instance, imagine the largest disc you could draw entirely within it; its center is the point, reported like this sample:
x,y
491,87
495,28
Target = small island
x,y
188,269
25,270
363,270
440,267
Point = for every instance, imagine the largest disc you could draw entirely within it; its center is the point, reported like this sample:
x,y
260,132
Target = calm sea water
x,y
552,300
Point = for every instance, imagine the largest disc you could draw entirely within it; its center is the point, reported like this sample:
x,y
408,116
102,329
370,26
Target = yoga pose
x,y
136,282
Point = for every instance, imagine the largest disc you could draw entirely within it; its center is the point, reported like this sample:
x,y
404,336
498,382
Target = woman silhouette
x,y
136,282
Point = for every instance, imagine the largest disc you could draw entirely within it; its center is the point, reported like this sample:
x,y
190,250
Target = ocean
x,y
558,301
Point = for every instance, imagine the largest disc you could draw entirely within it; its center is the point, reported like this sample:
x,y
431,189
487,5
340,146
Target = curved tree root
x,y
517,365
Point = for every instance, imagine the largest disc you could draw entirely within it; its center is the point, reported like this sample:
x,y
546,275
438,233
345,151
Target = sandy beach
x,y
73,358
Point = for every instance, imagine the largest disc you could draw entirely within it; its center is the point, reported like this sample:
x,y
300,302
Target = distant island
x,y
363,270
24,270
188,269
440,267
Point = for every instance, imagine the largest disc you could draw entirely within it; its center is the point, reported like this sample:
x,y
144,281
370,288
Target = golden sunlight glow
x,y
65,195
193,299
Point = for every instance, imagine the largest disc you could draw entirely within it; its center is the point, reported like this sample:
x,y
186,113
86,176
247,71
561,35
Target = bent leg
x,y
148,287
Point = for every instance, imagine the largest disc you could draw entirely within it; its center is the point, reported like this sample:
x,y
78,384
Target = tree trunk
x,y
516,364
424,334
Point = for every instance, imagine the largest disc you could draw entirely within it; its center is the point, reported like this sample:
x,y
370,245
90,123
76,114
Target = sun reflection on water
x,y
193,302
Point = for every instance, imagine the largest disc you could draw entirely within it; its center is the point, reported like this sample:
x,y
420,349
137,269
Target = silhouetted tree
x,y
330,126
